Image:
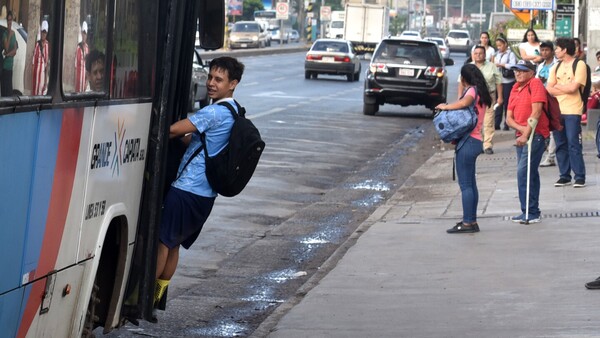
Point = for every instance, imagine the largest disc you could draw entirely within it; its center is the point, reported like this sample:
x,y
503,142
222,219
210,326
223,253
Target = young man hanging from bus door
x,y
190,198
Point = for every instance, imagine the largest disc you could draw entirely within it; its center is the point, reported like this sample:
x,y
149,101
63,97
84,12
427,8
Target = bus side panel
x,y
119,143
72,232
9,316
57,322
17,151
55,222
43,175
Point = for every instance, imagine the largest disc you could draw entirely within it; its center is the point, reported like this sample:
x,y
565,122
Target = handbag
x,y
453,125
507,73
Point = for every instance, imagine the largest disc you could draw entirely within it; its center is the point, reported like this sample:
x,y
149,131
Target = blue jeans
x,y
569,150
466,156
538,145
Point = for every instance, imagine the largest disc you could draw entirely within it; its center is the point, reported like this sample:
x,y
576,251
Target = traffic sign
x,y
547,5
282,10
325,13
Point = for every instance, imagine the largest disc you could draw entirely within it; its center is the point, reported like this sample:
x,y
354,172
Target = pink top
x,y
476,133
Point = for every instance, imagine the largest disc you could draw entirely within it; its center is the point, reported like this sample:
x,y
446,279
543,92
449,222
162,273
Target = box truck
x,y
336,25
365,25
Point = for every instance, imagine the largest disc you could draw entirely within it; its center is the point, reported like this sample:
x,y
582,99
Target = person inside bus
x,y
190,198
9,42
82,52
94,70
41,60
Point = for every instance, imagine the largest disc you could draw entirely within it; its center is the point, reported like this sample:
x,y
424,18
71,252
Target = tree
x,y
249,7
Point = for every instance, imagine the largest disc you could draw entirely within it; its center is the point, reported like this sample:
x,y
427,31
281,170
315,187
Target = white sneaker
x,y
548,162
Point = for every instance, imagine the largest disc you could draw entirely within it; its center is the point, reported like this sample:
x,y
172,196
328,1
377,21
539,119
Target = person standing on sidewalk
x,y
469,147
543,72
527,99
493,79
566,86
504,59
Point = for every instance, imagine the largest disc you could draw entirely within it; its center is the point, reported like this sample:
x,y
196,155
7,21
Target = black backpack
x,y
587,89
229,171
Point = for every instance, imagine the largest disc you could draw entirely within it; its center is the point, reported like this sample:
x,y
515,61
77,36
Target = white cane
x,y
532,123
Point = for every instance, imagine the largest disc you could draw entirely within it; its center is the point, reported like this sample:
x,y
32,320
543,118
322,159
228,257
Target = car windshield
x,y
330,46
245,27
438,41
458,35
402,52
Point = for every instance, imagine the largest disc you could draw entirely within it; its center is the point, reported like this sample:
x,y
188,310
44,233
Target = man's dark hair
x,y
234,68
92,57
547,44
566,43
480,47
597,54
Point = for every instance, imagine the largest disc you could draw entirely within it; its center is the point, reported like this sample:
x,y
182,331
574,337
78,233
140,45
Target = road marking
x,y
268,112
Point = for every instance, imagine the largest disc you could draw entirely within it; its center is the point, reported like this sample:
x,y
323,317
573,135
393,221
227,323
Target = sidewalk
x,y
405,277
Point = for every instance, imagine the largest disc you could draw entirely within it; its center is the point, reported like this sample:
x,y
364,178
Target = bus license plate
x,y
406,72
328,59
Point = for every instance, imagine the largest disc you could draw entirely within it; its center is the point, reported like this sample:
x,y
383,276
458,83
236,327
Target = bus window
x,y
24,38
134,50
84,48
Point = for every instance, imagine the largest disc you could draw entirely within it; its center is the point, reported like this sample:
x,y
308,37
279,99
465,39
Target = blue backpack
x,y
453,125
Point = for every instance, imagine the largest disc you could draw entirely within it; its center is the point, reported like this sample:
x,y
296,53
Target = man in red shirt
x,y
527,99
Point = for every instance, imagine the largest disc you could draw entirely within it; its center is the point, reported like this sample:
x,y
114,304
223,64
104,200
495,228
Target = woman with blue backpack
x,y
468,148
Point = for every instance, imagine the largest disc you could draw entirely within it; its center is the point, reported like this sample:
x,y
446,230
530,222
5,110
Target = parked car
x,y
406,72
441,45
332,57
19,59
248,34
411,34
278,36
198,91
294,36
459,40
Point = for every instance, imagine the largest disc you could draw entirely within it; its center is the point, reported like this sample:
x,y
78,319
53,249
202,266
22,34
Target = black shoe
x,y
562,182
489,151
579,184
505,128
593,285
460,227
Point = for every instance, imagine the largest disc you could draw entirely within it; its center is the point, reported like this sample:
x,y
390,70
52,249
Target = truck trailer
x,y
365,25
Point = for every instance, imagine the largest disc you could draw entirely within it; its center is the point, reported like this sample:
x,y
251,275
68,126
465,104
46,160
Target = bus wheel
x,y
90,316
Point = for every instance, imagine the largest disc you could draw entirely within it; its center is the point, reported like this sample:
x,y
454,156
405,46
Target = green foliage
x,y
398,24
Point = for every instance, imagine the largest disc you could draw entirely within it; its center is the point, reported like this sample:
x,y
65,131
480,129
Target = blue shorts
x,y
183,216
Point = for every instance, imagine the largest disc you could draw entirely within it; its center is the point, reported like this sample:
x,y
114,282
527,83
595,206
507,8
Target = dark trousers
x,y
6,83
500,112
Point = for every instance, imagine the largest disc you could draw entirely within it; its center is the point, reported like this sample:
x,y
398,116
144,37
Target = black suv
x,y
406,72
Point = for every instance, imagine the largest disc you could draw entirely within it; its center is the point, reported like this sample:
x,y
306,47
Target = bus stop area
x,y
406,277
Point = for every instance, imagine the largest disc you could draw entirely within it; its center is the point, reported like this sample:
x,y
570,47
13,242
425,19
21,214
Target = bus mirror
x,y
211,27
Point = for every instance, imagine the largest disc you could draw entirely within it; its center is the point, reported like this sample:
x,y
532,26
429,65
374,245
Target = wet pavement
x,y
401,275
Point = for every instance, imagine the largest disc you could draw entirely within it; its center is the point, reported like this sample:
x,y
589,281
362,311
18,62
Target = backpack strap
x,y
203,135
196,152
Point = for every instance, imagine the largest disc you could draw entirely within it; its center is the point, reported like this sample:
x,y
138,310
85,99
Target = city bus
x,y
82,168
268,18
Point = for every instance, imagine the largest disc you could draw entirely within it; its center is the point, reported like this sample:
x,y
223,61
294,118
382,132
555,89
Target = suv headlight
x,y
233,38
255,38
